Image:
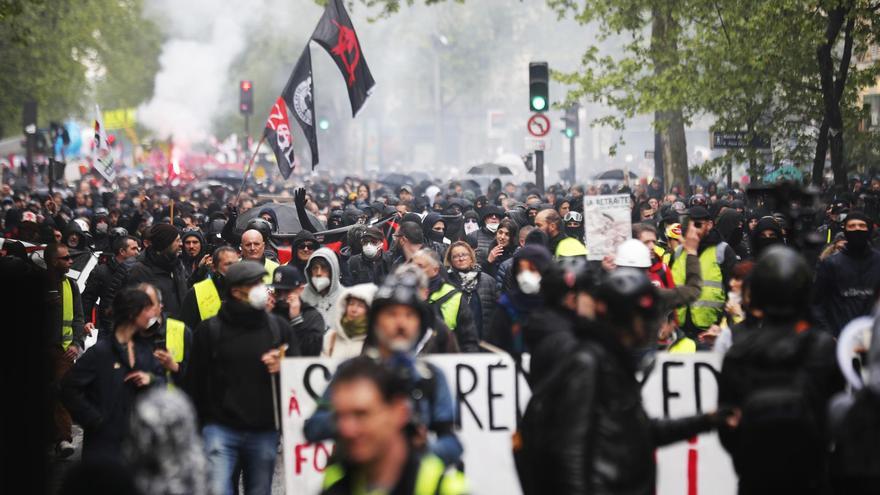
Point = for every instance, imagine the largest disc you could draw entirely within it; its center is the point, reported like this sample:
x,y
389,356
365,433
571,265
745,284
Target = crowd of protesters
x,y
203,292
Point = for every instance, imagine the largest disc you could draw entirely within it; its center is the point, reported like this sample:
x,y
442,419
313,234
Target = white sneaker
x,y
64,449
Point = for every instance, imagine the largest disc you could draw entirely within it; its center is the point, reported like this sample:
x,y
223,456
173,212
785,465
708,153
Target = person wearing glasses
x,y
68,333
478,288
304,245
717,260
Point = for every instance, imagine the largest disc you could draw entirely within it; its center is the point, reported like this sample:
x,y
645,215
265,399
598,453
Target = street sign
x,y
537,144
738,139
538,125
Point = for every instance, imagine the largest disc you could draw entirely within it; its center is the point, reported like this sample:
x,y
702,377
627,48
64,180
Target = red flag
x,y
280,137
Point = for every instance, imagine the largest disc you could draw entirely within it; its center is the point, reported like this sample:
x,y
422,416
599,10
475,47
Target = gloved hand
x,y
299,198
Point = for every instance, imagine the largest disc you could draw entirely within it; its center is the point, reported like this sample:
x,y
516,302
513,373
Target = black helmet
x,y
117,232
567,275
401,287
261,226
698,200
780,266
627,292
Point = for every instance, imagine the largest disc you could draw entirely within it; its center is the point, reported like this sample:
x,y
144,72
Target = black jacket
x,y
98,398
102,285
481,299
226,379
465,331
169,278
844,288
309,330
588,433
365,270
762,359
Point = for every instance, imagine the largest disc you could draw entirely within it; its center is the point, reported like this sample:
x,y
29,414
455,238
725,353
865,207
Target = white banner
x,y
487,390
607,223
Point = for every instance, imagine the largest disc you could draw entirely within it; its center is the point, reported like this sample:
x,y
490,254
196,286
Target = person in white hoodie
x,y
322,290
345,339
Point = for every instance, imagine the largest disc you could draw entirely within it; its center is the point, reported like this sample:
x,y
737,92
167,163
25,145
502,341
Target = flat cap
x,y
244,273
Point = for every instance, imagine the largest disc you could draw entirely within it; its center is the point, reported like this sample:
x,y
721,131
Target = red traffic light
x,y
245,85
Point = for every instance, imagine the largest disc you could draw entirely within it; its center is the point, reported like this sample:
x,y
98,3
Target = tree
x,y
60,52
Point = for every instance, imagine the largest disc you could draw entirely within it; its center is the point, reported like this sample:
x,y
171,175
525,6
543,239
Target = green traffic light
x,y
569,133
324,124
539,103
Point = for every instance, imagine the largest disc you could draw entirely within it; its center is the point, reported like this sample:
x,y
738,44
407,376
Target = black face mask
x,y
436,236
281,308
856,240
762,243
576,232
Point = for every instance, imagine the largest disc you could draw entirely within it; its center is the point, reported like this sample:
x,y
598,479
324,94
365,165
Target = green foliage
x,y
61,52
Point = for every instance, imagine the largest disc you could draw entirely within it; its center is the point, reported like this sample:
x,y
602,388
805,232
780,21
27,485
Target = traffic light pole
x,y
539,171
571,166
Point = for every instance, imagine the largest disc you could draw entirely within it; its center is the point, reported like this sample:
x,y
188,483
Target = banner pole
x,y
247,172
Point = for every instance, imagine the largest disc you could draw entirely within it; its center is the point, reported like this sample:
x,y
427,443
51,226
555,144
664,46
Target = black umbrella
x,y
288,221
490,169
397,179
614,174
232,177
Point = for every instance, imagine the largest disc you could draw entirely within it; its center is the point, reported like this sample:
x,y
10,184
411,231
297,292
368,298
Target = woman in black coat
x,y
100,389
501,249
478,288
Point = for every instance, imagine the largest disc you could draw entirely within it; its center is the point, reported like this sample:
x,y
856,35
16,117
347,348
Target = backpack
x,y
779,432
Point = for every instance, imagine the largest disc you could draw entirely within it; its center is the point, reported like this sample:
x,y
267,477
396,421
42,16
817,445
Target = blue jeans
x,y
254,450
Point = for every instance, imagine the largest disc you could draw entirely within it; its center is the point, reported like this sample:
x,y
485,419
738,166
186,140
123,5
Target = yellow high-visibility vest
x,y
66,314
270,267
207,298
449,308
433,478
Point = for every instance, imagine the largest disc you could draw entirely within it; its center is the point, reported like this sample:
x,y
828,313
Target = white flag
x,y
103,161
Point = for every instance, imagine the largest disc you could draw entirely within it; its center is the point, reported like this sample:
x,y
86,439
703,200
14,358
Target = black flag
x,y
335,33
277,133
300,97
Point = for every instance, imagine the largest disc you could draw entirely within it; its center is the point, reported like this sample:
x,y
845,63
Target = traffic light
x,y
572,122
246,98
323,124
539,86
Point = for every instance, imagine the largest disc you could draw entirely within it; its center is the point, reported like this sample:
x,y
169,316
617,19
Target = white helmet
x,y
633,253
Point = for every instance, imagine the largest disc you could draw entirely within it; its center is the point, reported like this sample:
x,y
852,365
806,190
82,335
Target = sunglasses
x,y
65,258
308,247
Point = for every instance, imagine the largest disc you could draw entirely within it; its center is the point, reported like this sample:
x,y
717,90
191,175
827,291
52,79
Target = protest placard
x,y
607,223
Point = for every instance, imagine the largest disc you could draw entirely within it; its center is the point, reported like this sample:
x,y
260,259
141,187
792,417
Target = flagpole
x,y
247,172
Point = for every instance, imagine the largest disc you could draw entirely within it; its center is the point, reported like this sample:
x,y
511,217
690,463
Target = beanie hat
x,y
162,235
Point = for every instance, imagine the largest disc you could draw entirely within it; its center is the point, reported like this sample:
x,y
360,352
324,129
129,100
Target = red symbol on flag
x,y
346,44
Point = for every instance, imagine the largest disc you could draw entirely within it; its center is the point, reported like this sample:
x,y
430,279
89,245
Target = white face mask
x,y
470,227
320,283
258,296
492,227
529,282
371,250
